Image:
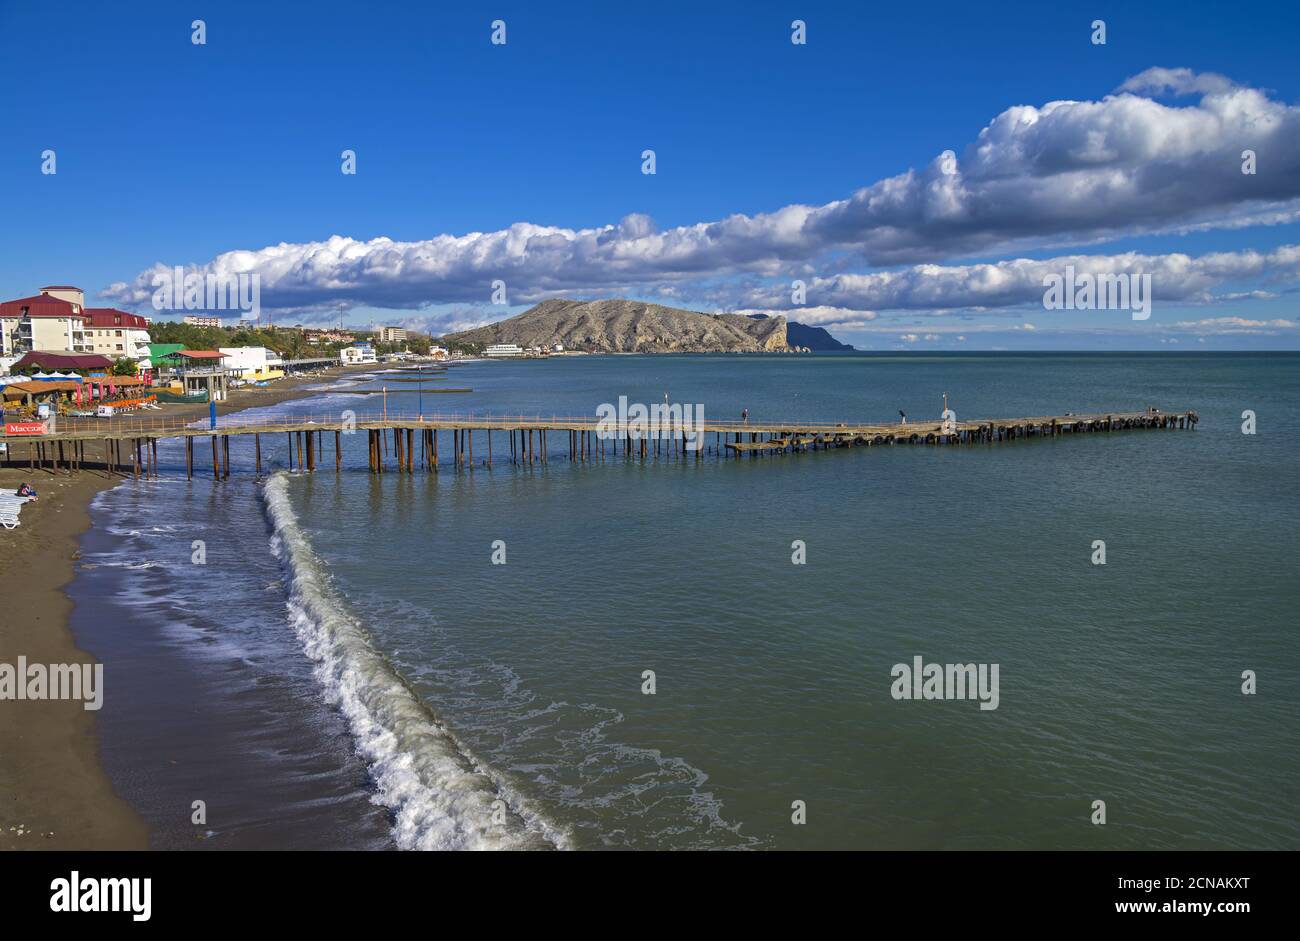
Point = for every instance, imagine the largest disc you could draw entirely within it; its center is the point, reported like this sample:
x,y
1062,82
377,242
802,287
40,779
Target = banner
x,y
26,428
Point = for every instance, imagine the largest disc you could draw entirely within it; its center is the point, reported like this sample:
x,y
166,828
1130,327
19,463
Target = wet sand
x,y
54,793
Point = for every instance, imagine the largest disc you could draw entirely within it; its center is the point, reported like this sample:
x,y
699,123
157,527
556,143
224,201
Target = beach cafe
x,y
199,371
29,396
62,392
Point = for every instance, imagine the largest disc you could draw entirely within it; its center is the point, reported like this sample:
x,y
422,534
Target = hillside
x,y
624,326
816,339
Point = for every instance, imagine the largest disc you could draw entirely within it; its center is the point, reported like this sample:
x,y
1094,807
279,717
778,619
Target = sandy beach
x,y
53,792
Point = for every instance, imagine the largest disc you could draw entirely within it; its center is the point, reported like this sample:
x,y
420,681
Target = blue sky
x,y
170,154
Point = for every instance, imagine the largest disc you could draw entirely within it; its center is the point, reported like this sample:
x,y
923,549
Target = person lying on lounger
x,y
26,490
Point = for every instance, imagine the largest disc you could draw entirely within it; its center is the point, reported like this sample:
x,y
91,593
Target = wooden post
x,y
338,457
257,448
216,470
489,431
289,435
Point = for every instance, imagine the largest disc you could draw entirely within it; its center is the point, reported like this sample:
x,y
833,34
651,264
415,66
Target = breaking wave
x,y
439,795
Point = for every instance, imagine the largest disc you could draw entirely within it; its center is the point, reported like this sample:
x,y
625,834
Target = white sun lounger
x,y
10,506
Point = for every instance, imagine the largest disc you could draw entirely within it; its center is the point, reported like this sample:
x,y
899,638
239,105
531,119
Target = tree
x,y
124,367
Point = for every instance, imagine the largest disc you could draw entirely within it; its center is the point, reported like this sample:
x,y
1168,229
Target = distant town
x,y
58,356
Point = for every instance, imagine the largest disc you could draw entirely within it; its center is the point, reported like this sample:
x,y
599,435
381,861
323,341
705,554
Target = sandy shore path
x,y
53,792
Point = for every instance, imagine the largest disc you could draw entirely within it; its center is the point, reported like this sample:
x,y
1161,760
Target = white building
x,y
194,321
253,363
504,349
52,321
117,334
357,354
390,334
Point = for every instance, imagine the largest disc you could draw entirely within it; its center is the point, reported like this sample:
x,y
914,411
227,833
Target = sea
x,y
702,653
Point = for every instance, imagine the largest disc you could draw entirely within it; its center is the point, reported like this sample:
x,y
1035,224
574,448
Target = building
x,y
117,334
357,354
201,321
317,337
58,320
253,363
83,363
390,334
53,320
199,371
504,349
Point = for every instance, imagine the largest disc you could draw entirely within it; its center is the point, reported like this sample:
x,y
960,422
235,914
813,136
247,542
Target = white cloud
x,y
1068,172
1019,281
1227,325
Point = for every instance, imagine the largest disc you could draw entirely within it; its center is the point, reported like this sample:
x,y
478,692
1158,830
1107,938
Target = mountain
x,y
813,338
624,326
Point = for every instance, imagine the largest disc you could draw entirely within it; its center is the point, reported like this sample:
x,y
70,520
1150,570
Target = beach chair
x,y
10,505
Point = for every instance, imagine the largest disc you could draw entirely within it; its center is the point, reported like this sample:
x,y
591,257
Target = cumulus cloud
x,y
1019,281
1063,173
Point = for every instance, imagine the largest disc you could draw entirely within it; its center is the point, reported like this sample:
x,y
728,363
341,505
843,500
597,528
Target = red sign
x,y
26,428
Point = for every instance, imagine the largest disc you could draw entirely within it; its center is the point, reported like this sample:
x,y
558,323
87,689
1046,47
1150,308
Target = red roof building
x,y
53,362
105,318
56,320
40,305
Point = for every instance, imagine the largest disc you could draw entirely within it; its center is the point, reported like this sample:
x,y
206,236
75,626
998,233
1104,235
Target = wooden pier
x,y
402,444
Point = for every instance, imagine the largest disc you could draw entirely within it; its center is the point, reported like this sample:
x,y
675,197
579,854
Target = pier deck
x,y
128,444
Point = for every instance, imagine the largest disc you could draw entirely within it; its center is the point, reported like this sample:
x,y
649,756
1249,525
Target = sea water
x,y
351,668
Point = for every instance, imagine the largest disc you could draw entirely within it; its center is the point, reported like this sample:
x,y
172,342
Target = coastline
x,y
53,787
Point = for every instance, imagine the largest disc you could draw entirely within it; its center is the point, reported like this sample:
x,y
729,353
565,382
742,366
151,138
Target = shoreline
x,y
53,787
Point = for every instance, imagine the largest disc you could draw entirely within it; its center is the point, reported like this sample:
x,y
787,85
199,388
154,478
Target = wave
x,y
440,796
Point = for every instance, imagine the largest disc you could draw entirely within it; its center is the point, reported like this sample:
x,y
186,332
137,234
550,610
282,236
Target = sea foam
x,y
439,795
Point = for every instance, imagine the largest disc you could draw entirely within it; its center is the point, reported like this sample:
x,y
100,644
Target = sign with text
x,y
26,428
